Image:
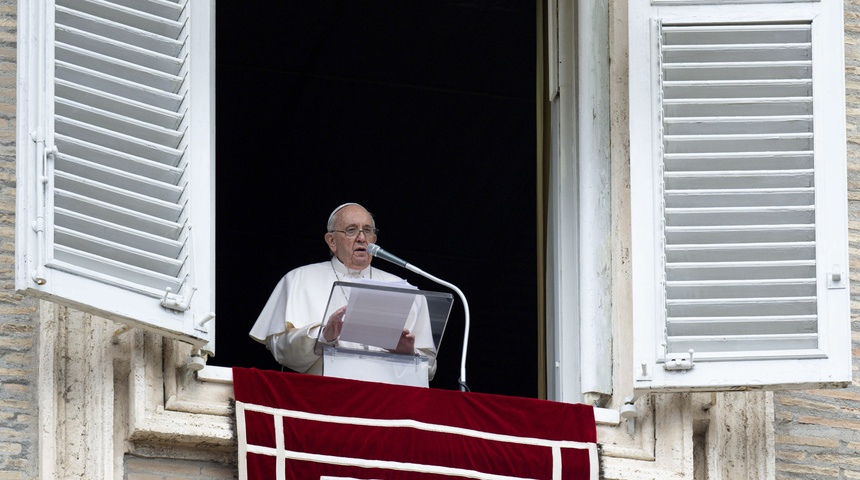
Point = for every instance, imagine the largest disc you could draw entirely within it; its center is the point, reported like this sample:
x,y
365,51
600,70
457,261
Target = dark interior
x,y
425,113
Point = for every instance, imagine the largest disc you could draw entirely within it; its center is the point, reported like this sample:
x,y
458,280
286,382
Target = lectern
x,y
376,313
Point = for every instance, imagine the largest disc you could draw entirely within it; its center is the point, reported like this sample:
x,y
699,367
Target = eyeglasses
x,y
352,232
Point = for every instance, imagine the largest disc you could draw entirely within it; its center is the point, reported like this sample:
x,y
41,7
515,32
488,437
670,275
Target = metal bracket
x,y
643,373
181,304
200,323
836,278
679,361
629,412
196,361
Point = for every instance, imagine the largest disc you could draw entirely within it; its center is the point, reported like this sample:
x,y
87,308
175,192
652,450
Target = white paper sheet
x,y
376,317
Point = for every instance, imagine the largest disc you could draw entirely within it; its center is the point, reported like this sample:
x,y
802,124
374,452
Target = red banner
x,y
296,426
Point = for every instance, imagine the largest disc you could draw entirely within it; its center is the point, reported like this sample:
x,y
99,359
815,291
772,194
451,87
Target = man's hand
x,y
406,344
334,325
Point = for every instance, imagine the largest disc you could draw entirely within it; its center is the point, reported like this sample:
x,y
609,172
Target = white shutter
x,y
742,185
116,160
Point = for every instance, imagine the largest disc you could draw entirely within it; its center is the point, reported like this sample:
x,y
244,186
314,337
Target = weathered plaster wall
x,y
818,431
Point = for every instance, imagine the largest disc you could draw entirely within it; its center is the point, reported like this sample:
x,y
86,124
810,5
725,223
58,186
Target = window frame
x,y
579,231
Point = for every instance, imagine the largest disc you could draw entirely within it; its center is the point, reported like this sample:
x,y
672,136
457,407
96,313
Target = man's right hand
x,y
334,325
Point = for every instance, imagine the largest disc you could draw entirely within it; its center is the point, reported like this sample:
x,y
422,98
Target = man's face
x,y
352,252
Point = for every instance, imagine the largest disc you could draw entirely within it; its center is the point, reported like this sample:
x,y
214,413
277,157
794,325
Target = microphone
x,y
376,251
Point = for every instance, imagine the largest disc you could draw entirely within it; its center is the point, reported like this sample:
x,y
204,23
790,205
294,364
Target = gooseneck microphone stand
x,y
377,251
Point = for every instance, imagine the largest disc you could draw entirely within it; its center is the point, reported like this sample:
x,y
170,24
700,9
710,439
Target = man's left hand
x,y
406,344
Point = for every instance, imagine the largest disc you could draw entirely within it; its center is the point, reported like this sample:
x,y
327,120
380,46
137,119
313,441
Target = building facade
x,y
86,397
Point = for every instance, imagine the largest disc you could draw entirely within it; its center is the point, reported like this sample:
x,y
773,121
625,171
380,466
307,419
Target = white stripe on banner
x,y
243,441
593,462
282,454
430,427
556,463
382,464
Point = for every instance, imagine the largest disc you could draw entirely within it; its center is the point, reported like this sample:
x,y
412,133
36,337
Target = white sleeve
x,y
431,363
271,319
295,347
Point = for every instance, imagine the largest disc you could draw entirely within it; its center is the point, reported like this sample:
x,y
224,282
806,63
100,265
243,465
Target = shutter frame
x,y
830,363
85,256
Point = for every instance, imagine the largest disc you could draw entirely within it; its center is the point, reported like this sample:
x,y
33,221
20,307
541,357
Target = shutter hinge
x,y
180,304
38,225
679,361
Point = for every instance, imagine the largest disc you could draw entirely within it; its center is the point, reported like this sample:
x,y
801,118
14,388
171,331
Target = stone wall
x,y
137,468
818,431
18,315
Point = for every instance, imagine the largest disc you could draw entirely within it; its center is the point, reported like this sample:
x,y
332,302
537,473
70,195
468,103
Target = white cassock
x,y
289,323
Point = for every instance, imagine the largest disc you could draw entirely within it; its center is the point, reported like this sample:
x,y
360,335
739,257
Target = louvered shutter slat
x,y
91,189
120,273
123,33
112,159
739,252
739,271
129,15
134,238
76,239
108,120
160,8
736,125
761,325
724,346
738,233
738,216
128,71
108,48
737,142
739,289
729,53
761,89
733,161
115,214
717,72
751,180
722,35
739,197
120,179
727,107
747,306
111,84
119,141
101,100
